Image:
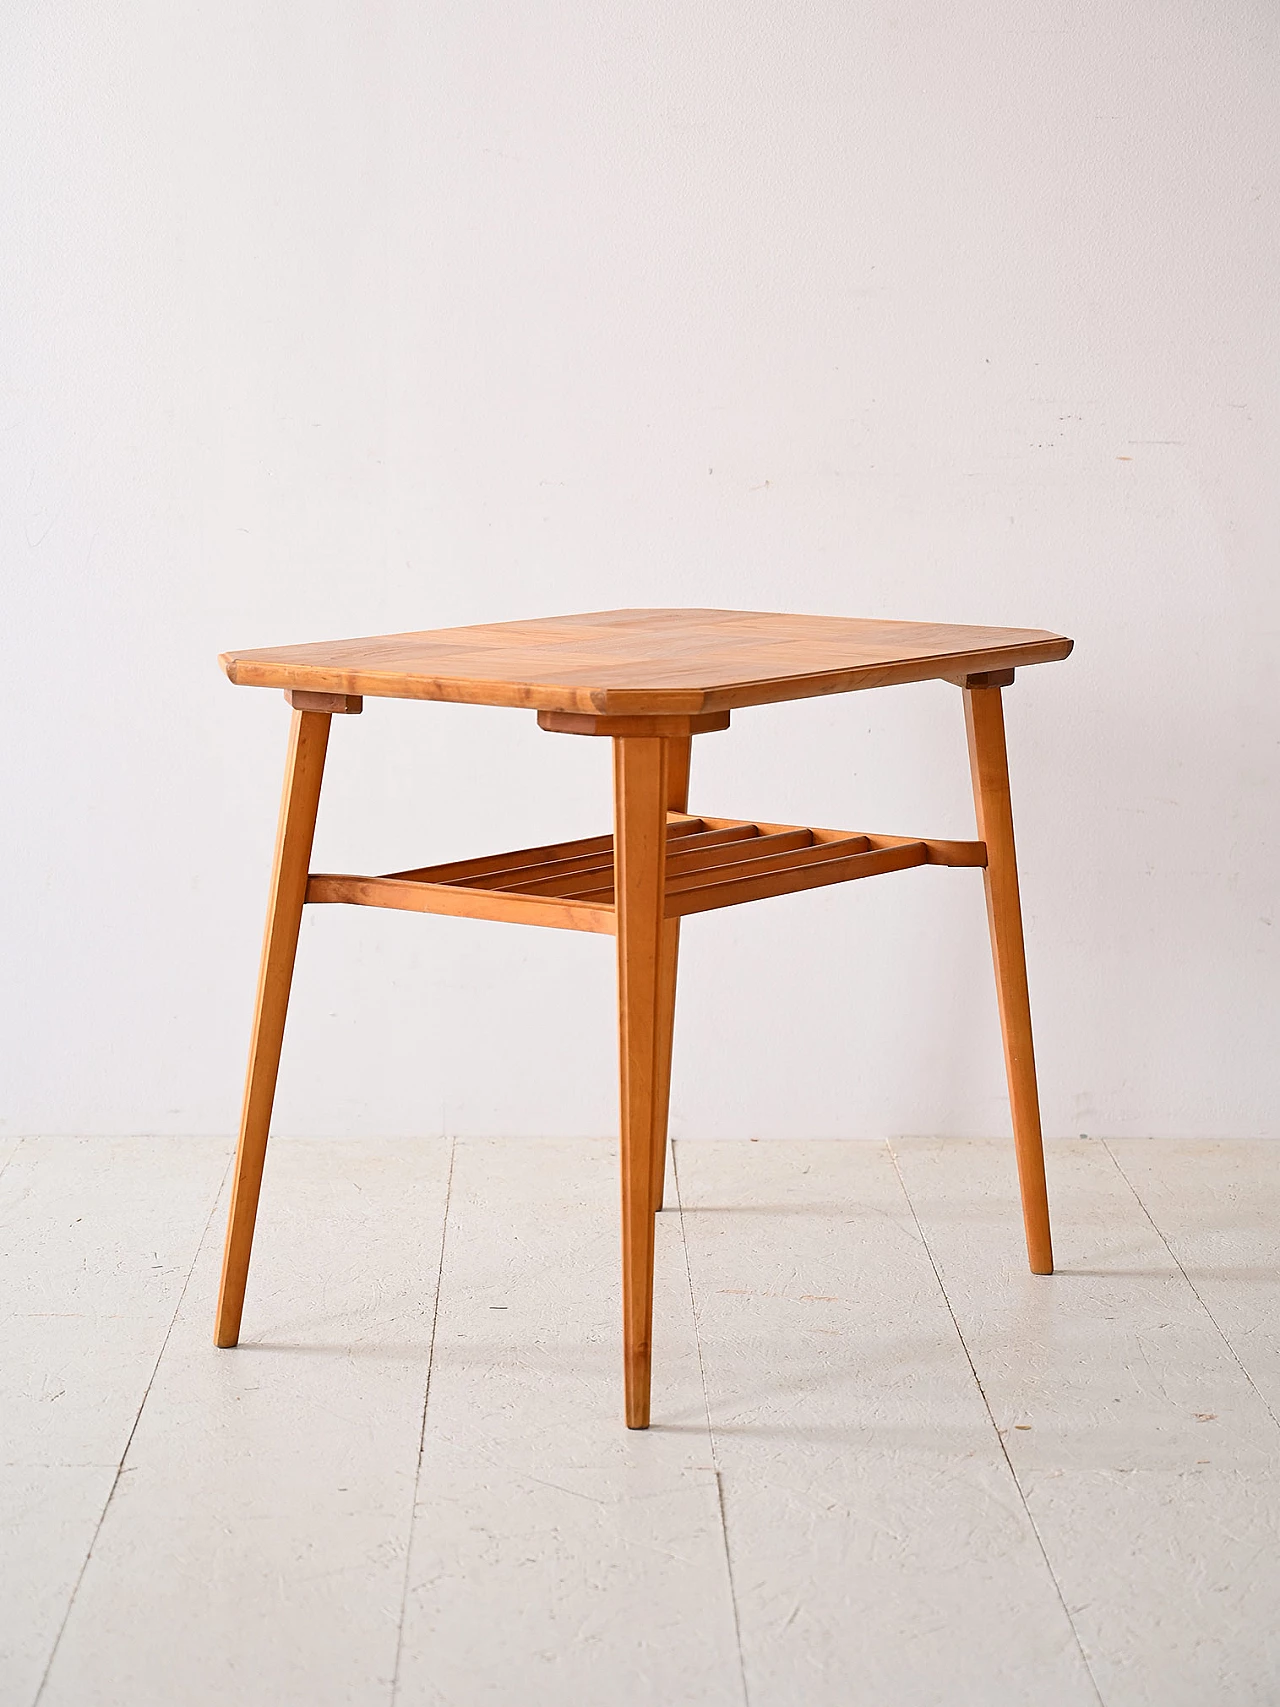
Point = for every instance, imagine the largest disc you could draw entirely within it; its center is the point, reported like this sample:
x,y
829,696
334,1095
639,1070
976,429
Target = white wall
x,y
336,318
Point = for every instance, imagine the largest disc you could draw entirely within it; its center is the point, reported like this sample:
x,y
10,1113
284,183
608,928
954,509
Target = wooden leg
x,y
988,761
640,834
678,755
304,769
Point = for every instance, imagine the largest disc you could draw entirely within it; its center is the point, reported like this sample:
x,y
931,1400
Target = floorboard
x,y
1148,1458
97,1238
1217,1207
49,1515
879,1545
254,1549
887,1463
558,1557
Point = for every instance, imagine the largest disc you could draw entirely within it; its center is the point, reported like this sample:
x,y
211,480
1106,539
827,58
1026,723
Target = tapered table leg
x,y
988,761
304,770
640,834
679,751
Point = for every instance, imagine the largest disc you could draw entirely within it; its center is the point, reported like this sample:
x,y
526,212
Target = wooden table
x,y
651,680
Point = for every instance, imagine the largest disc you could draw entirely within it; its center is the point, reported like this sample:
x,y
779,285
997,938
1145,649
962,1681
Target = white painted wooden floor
x,y
887,1466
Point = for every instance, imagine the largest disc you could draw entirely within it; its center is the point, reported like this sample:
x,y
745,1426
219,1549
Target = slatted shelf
x,y
711,863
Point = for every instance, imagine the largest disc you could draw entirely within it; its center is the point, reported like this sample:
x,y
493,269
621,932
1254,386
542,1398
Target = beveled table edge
x,y
549,696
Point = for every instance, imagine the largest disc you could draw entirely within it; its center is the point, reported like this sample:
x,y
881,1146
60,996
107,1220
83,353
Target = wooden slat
x,y
413,896
767,829
795,877
796,858
743,850
707,850
455,870
492,864
941,852
708,858
591,871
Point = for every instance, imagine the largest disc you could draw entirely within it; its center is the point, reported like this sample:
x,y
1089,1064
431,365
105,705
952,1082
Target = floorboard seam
x,y
1173,1257
115,1480
422,1432
4,1166
1004,1451
711,1437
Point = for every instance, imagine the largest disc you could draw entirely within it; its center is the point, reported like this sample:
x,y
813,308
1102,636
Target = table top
x,y
645,662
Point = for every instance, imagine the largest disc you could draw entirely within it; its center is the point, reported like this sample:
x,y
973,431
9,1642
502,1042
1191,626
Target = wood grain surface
x,y
640,843
710,862
989,763
645,662
304,772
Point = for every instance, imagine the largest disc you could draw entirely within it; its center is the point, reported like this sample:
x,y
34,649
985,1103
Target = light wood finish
x,y
671,728
679,755
336,704
502,907
939,852
710,863
689,853
490,865
936,852
812,871
304,770
642,662
640,807
813,868
985,679
775,850
988,760
571,876
649,680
